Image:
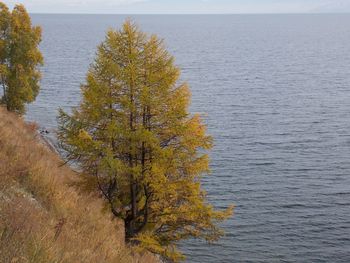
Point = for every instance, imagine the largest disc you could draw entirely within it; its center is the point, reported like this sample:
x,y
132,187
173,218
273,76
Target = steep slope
x,y
43,217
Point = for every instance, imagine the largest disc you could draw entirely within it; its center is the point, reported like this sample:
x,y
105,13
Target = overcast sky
x,y
183,6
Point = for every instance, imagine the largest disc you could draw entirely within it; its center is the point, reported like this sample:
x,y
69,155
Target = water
x,y
276,90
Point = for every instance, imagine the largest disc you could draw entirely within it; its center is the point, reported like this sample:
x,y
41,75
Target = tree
x,y
133,133
19,58
5,17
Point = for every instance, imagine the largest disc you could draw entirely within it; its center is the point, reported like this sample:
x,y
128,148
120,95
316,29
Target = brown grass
x,y
42,217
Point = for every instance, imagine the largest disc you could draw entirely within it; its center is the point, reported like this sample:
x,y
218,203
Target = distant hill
x,y
334,6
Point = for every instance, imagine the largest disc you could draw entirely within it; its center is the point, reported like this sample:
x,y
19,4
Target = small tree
x,y
133,132
19,58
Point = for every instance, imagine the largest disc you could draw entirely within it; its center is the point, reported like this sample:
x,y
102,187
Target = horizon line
x,y
131,14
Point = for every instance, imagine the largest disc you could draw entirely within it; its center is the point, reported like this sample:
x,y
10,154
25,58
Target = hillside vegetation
x,y
43,217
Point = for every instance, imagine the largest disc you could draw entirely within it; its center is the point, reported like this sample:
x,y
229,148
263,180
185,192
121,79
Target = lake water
x,y
276,91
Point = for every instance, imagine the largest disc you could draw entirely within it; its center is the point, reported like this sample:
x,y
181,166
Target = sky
x,y
183,6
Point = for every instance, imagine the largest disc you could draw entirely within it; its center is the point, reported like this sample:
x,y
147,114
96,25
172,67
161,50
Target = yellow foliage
x,y
83,135
134,134
19,58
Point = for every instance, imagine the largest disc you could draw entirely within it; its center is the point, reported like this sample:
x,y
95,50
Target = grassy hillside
x,y
43,218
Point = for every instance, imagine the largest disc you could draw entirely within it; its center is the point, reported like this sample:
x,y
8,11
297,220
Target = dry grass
x,y
42,217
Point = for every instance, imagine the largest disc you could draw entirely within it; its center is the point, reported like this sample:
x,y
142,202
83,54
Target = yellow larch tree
x,y
19,58
135,140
